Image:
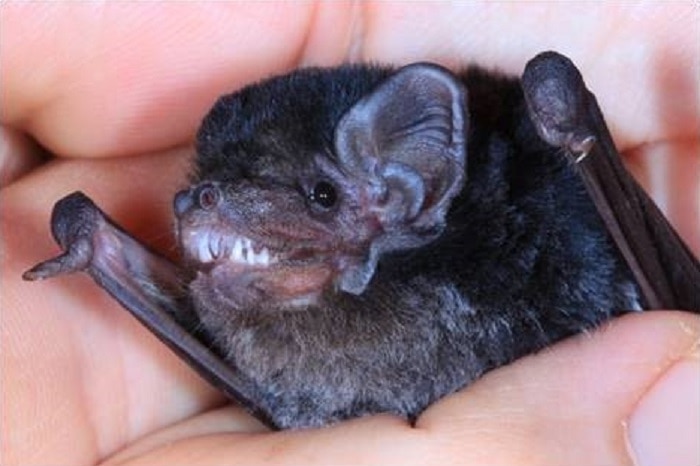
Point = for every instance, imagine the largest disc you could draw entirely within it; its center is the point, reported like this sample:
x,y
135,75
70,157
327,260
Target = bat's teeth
x,y
214,248
207,246
253,257
203,251
246,249
237,251
224,247
263,257
248,253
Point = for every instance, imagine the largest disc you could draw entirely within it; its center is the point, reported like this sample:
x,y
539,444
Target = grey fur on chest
x,y
312,365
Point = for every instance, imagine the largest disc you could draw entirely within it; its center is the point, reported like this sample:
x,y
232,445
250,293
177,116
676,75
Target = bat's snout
x,y
206,196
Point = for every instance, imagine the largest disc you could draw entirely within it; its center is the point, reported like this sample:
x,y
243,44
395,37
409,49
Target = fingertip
x,y
664,428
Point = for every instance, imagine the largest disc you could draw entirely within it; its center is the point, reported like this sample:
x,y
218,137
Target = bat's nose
x,y
205,196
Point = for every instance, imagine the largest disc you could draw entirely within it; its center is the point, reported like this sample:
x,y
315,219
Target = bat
x,y
366,238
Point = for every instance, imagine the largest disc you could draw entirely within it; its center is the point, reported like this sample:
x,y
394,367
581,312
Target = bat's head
x,y
305,180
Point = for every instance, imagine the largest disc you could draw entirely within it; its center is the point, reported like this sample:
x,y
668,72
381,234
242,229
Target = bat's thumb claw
x,y
75,259
582,147
39,272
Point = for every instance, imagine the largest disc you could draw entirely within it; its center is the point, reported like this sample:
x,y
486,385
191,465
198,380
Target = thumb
x,y
626,394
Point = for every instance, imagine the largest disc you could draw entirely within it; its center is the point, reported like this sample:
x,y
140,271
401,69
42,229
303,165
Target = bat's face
x,y
271,213
303,181
286,237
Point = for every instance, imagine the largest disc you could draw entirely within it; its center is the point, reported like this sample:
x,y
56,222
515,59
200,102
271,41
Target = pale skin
x,y
84,383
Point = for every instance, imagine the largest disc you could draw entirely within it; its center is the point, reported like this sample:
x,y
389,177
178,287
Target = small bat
x,y
367,239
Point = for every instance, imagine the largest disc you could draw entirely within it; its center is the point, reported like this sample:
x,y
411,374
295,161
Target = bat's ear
x,y
405,143
407,139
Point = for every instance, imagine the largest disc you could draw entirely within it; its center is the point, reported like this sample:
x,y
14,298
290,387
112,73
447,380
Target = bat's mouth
x,y
207,246
240,268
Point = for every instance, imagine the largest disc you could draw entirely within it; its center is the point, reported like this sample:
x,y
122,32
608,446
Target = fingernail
x,y
665,427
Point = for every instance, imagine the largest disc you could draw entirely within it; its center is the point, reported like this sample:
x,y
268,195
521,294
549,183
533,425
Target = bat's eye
x,y
323,194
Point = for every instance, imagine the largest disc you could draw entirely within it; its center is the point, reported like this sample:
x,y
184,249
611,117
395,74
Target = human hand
x,y
82,381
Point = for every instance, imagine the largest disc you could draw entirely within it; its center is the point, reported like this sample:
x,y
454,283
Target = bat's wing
x,y
567,115
146,284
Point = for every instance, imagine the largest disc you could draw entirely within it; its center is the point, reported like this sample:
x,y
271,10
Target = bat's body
x,y
521,260
366,239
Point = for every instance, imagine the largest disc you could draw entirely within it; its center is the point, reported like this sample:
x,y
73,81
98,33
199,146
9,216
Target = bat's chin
x,y
231,284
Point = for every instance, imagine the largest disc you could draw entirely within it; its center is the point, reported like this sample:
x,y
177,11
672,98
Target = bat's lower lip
x,y
241,267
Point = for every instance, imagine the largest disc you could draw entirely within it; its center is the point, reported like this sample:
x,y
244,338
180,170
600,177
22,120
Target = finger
x,y
585,401
95,79
650,45
581,401
120,85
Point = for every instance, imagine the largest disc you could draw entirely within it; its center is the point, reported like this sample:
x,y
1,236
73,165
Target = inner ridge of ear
x,y
416,118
